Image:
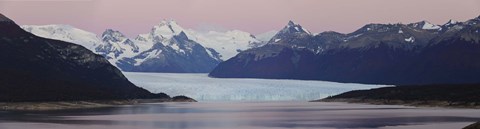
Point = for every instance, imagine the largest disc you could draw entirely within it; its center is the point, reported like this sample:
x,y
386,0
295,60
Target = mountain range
x,y
34,68
397,54
168,47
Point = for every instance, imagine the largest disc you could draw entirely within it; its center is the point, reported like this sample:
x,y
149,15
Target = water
x,y
242,104
244,115
203,88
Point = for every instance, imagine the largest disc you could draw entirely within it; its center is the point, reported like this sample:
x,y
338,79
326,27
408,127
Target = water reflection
x,y
239,115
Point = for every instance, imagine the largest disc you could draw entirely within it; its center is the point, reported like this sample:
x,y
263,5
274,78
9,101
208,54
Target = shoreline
x,y
434,95
428,104
71,105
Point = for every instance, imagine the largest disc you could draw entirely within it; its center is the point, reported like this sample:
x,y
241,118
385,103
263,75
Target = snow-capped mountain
x,y
399,54
65,33
111,44
163,33
450,23
425,25
116,46
227,44
178,54
164,39
291,31
168,48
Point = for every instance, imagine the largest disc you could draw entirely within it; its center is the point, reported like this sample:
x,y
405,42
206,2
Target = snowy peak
x,y
226,44
425,25
110,35
4,18
293,27
450,22
166,29
170,25
169,22
291,30
429,26
64,33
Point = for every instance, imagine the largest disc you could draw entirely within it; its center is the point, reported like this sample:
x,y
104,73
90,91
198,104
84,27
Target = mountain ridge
x,y
376,54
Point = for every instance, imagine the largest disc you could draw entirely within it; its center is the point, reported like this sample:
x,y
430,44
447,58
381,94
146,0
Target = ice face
x,y
203,88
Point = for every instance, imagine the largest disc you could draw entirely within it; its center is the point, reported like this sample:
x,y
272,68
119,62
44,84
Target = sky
x,y
133,17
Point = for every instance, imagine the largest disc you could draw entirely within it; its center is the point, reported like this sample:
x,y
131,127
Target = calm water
x,y
243,115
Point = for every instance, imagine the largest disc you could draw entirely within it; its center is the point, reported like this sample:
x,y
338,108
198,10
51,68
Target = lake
x,y
244,115
243,104
203,88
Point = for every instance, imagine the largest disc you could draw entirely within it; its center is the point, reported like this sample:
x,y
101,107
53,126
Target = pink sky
x,y
133,17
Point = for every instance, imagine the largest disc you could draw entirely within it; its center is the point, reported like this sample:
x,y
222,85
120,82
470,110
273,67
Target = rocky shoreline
x,y
69,105
431,103
449,96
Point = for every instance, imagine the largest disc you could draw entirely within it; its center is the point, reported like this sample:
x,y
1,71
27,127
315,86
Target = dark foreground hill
x,y
467,95
38,69
473,126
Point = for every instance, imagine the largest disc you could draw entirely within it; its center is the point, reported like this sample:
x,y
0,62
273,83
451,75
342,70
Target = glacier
x,y
203,88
